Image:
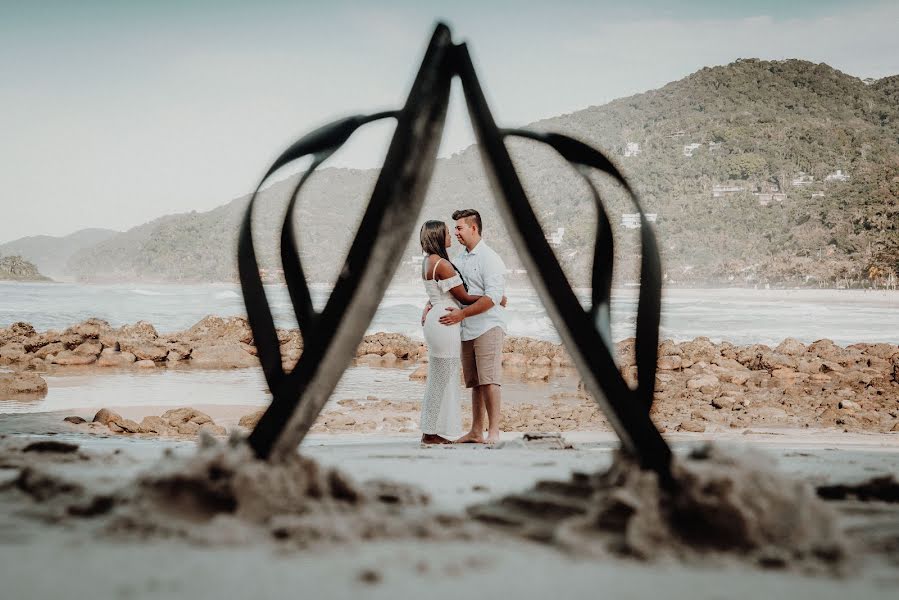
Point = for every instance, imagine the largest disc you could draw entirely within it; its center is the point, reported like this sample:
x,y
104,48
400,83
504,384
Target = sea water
x,y
740,316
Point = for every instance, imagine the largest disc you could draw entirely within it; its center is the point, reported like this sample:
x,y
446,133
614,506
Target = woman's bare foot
x,y
472,437
432,438
492,438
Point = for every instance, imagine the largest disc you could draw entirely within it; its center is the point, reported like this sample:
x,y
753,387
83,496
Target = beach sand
x,y
103,518
44,557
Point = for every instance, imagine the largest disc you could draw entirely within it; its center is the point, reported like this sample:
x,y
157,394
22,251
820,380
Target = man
x,y
483,326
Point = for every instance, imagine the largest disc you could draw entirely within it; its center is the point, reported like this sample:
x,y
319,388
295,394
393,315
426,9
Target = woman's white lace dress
x,y
440,410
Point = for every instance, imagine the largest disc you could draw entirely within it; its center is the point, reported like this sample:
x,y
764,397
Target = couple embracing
x,y
464,328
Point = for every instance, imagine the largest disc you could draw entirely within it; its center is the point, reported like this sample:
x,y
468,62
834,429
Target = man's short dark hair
x,y
471,216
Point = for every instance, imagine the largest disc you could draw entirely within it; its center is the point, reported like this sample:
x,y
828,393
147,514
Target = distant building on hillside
x,y
689,149
766,198
802,178
678,134
837,175
720,191
632,149
632,220
714,146
817,194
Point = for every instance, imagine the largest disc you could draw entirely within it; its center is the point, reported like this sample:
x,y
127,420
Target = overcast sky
x,y
111,115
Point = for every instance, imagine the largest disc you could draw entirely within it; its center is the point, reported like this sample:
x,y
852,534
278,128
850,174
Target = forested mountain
x,y
759,172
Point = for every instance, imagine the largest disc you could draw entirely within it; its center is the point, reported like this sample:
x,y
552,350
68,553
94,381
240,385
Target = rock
x,y
89,348
670,363
825,349
53,348
104,416
847,405
126,425
75,420
541,361
114,358
141,330
251,420
699,382
228,355
218,329
212,429
895,426
389,357
12,352
420,373
177,416
828,366
157,425
514,360
790,347
145,364
113,427
723,403
173,356
70,359
50,446
144,350
89,329
691,426
23,385
189,428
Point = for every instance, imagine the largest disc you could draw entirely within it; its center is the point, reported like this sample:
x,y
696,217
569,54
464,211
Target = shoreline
x,y
700,385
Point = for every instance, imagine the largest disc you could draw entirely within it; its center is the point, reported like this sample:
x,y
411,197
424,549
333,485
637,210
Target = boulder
x,y
703,382
23,385
513,359
157,425
144,349
53,348
125,425
145,364
212,429
89,348
67,358
212,329
104,416
227,355
790,347
89,329
670,363
12,352
75,420
177,416
251,420
114,358
691,426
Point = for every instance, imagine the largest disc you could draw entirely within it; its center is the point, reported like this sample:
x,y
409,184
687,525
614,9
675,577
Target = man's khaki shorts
x,y
482,358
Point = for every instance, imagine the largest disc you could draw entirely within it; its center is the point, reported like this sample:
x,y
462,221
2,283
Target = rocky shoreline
x,y
700,385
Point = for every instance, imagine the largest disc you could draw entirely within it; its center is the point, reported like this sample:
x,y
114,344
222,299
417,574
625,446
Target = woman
x,y
440,411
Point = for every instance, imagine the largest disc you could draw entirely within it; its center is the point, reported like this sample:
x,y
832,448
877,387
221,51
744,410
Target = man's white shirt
x,y
484,272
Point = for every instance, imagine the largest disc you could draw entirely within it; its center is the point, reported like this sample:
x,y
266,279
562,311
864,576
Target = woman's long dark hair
x,y
433,241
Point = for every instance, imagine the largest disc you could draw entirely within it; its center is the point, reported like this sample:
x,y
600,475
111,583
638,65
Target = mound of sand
x,y
724,506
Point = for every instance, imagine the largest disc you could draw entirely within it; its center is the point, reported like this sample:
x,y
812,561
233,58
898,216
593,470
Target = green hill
x,y
750,126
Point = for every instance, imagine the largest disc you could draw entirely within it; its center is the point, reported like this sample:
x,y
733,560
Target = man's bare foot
x,y
472,437
492,438
432,438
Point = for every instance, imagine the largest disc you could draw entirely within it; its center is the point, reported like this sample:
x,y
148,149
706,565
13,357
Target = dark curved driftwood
x,y
331,336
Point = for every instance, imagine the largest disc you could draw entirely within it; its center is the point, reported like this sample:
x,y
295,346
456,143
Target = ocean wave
x,y
226,294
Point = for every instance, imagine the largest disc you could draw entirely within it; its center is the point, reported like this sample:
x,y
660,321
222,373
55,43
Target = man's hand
x,y
424,314
503,302
453,316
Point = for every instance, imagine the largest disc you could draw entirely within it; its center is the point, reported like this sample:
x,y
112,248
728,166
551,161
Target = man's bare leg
x,y
491,396
476,434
